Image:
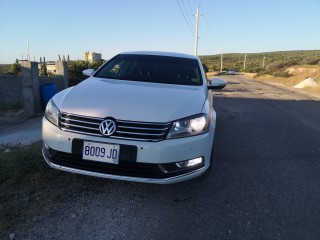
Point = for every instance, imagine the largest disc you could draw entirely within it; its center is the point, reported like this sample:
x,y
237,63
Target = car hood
x,y
134,101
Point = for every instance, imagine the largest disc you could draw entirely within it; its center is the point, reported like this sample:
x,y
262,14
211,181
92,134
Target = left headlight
x,y
190,126
52,113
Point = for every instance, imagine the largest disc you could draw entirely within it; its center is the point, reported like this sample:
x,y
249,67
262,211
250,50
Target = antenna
x,y
28,58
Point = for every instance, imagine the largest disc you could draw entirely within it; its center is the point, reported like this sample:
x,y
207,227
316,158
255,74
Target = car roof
x,y
159,53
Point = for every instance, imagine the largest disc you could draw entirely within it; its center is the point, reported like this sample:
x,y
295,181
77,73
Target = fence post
x,y
30,88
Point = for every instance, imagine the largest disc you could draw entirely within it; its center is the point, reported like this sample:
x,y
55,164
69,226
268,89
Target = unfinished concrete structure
x,y
24,90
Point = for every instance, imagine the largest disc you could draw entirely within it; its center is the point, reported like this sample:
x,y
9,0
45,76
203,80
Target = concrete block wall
x,y
25,89
10,92
30,88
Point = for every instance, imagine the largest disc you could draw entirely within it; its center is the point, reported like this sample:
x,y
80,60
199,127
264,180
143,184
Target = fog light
x,y
190,163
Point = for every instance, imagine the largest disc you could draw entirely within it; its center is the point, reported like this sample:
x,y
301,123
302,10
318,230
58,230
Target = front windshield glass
x,y
150,68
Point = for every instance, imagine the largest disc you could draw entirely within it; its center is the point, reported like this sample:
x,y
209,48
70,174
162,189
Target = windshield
x,y
150,68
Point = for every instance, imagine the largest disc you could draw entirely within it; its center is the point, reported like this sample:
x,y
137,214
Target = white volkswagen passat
x,y
142,116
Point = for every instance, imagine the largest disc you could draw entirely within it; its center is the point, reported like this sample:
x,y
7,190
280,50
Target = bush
x,y
280,66
282,74
274,61
205,68
312,61
14,68
75,70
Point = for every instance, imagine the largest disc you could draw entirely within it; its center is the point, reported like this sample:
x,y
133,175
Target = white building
x,y
92,56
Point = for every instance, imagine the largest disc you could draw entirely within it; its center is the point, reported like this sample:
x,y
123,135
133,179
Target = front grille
x,y
128,130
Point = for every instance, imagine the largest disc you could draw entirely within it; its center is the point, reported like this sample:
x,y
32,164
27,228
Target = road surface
x,y
21,132
265,183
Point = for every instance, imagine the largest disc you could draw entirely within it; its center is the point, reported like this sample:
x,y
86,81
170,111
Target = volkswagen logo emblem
x,y
108,127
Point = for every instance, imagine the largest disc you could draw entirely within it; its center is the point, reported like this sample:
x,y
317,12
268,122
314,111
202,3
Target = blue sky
x,y
73,27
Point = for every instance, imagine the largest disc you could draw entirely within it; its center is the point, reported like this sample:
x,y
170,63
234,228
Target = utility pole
x,y
221,59
263,61
197,24
244,61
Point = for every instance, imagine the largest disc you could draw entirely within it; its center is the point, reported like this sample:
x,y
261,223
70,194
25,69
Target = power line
x,y
190,7
210,30
205,36
204,46
187,13
185,18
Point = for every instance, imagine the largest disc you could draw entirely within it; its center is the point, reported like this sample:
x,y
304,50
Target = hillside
x,y
297,74
273,61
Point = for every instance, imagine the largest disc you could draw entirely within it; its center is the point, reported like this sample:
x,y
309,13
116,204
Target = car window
x,y
149,68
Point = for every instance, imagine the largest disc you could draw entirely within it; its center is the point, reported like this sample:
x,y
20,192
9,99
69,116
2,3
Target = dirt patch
x,y
212,74
307,83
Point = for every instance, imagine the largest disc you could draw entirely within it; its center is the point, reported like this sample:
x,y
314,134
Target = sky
x,y
72,27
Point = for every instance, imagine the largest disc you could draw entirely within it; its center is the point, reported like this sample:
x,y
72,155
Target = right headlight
x,y
52,113
190,126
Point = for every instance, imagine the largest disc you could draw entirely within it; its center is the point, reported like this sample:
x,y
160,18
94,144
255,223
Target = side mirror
x,y
88,72
216,83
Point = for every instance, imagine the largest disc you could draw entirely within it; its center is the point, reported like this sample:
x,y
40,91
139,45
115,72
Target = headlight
x,y
190,126
52,113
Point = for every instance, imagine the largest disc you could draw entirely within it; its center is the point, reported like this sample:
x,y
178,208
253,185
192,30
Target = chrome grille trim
x,y
130,130
148,134
85,133
145,123
159,129
73,120
73,125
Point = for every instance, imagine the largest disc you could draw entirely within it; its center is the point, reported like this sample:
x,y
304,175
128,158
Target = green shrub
x,y
14,68
75,70
282,74
273,61
312,61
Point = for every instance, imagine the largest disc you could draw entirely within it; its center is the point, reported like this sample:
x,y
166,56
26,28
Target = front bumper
x,y
152,158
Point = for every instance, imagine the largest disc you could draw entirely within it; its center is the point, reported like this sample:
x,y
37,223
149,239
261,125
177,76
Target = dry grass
x,y
298,74
212,74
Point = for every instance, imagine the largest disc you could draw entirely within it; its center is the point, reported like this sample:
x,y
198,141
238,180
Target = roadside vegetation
x,y
75,69
272,63
286,67
297,74
21,168
13,69
28,186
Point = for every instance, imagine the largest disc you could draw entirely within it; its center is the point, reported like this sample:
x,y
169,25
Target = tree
x,y
14,68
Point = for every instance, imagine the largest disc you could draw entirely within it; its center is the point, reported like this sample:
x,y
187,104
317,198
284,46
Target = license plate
x,y
101,152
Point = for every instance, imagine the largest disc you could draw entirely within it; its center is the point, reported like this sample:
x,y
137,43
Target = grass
x,y
298,74
211,74
18,168
28,186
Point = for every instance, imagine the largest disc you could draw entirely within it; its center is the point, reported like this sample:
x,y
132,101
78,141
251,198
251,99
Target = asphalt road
x,y
265,183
